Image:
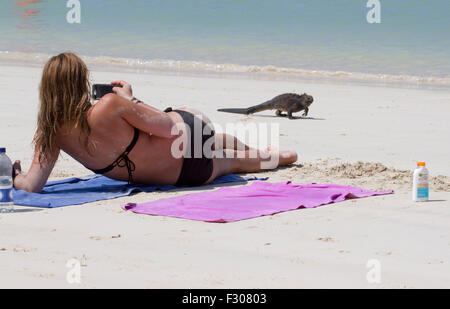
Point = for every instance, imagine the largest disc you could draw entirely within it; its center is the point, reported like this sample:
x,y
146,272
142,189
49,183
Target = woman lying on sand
x,y
123,138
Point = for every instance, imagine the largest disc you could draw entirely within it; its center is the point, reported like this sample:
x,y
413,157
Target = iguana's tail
x,y
246,111
234,110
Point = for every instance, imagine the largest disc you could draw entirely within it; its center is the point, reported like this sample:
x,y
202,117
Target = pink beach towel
x,y
259,199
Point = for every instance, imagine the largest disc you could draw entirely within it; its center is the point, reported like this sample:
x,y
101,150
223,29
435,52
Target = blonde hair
x,y
65,98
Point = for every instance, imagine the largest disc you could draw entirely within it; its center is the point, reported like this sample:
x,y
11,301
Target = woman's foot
x,y
286,157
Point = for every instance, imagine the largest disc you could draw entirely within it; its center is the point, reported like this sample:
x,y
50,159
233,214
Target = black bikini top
x,y
123,160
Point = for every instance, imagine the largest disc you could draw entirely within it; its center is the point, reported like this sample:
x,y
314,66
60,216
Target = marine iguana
x,y
287,102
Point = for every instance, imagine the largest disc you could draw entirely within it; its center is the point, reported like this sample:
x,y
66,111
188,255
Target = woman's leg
x,y
222,140
235,161
227,141
237,157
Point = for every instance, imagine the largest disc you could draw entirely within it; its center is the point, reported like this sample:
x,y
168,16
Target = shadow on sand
x,y
24,210
293,117
234,184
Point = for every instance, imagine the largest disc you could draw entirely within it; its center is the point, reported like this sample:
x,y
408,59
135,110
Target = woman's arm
x,y
139,115
37,176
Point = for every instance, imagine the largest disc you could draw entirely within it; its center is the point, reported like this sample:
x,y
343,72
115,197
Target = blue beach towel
x,y
76,191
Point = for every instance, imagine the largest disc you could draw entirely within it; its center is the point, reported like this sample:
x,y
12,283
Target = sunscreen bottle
x,y
420,183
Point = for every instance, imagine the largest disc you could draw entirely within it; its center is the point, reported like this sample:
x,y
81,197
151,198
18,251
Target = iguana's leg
x,y
306,112
290,114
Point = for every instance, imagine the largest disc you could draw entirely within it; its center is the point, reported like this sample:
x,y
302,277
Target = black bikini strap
x,y
123,160
133,142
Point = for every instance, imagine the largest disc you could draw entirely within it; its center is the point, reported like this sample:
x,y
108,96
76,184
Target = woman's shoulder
x,y
110,105
107,101
108,112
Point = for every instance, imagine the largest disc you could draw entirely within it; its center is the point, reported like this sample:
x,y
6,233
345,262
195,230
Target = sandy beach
x,y
365,135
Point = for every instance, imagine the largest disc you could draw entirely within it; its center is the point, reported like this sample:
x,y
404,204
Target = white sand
x,y
324,247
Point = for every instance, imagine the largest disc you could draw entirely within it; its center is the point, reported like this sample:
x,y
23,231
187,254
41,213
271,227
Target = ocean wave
x,y
200,66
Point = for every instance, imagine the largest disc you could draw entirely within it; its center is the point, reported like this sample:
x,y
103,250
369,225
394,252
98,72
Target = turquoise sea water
x,y
327,35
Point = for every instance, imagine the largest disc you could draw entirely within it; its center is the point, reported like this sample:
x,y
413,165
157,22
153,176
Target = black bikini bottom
x,y
196,169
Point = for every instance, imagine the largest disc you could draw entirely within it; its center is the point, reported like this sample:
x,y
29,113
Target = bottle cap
x,y
2,150
420,163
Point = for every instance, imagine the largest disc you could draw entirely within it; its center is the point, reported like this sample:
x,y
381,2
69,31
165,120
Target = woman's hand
x,y
125,91
34,181
18,177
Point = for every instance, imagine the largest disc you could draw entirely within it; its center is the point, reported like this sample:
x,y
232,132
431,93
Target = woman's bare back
x,y
111,135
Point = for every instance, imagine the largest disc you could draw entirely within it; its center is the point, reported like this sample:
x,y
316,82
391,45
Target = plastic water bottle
x,y
6,183
420,183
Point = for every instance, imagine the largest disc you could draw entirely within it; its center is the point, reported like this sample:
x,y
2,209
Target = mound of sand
x,y
370,175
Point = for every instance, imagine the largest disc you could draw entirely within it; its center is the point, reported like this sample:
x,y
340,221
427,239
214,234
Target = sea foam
x,y
140,65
